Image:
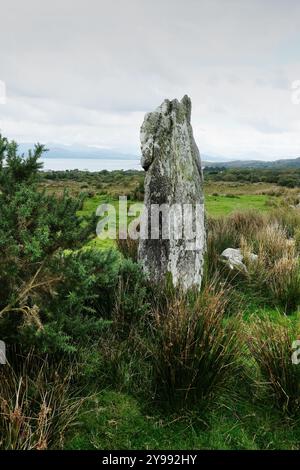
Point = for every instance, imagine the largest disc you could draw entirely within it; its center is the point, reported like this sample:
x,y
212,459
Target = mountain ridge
x,y
91,152
259,164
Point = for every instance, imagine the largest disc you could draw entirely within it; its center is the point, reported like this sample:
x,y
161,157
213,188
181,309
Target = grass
x,y
37,404
114,420
220,205
216,206
271,346
127,415
191,352
90,207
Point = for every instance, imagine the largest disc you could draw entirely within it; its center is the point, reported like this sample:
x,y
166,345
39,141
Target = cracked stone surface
x,y
174,177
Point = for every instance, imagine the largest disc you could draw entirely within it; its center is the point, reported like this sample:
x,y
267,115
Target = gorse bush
x,y
96,290
79,309
54,294
192,351
271,346
35,229
36,404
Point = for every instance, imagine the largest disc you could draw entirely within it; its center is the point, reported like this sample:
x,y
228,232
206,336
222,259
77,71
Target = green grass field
x,y
224,205
216,206
114,420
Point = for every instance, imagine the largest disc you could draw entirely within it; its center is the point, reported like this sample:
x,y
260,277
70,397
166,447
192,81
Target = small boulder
x,y
234,258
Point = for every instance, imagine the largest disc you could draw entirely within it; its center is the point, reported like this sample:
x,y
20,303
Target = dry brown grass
x,y
274,237
193,353
128,247
227,232
277,271
36,404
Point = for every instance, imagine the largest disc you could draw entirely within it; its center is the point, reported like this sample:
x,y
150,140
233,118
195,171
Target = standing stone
x,y
174,177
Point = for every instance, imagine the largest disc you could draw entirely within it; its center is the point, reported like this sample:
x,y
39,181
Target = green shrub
x,y
35,230
80,308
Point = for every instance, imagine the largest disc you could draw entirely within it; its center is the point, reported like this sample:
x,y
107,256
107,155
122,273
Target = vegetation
x,y
270,345
37,403
285,176
100,358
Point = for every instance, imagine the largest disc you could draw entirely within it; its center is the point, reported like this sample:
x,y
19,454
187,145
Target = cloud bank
x,y
86,72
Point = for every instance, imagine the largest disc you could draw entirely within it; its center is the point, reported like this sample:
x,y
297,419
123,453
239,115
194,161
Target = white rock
x,y
234,258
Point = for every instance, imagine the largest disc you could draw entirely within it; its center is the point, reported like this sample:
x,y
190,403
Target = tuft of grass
x,y
287,218
128,247
227,232
36,404
192,352
276,274
271,346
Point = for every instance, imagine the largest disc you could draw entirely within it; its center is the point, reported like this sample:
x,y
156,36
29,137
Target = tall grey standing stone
x,y
174,177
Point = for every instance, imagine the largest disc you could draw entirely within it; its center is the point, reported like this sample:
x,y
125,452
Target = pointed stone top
x,y
186,102
174,105
158,124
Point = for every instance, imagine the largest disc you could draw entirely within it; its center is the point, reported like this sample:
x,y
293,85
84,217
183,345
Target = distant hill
x,y
76,152
277,164
90,152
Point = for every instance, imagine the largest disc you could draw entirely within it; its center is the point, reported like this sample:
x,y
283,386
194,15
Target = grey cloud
x,y
78,63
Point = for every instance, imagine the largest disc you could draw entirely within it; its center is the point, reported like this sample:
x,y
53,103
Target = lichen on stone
x,y
172,163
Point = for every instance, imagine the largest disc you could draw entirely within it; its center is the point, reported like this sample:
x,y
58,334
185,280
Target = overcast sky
x,y
86,71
